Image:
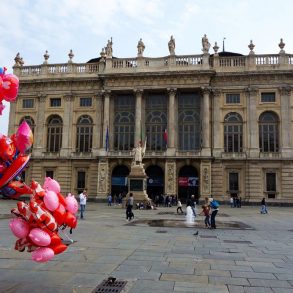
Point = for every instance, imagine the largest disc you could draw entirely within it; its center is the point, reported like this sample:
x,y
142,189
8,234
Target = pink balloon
x,y
71,204
51,184
42,254
24,137
10,87
19,227
39,237
51,200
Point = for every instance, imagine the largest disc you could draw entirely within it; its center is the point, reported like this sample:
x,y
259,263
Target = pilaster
x,y
40,130
97,128
206,141
252,127
138,123
67,125
205,178
102,182
106,120
286,129
217,124
171,121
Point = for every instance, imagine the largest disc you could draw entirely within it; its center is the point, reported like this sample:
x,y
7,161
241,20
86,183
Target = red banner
x,y
183,181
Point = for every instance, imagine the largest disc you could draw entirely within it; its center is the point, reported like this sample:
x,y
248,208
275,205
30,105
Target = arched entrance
x,y
155,181
119,180
188,183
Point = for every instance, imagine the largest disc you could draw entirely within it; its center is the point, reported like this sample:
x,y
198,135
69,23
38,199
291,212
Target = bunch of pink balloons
x,y
8,87
38,223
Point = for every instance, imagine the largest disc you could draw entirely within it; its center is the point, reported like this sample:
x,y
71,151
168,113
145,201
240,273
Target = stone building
x,y
217,123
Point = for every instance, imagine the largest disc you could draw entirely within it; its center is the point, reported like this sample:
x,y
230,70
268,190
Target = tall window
x,y
189,122
156,121
124,122
30,121
268,132
84,134
54,134
50,173
271,184
233,133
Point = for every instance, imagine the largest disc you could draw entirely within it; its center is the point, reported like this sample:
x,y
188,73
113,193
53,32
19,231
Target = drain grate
x,y
111,285
237,241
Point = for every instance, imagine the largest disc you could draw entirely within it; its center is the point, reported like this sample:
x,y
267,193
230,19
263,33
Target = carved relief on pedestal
x,y
170,177
206,178
102,177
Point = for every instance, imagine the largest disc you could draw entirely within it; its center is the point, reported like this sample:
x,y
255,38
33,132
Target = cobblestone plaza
x,y
249,252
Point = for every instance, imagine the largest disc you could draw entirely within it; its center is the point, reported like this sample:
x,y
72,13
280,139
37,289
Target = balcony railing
x,y
168,63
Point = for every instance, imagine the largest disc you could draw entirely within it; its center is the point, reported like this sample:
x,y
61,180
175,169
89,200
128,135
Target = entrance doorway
x,y
119,181
188,183
155,181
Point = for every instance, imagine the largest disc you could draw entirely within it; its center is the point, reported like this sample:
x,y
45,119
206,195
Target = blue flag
x,y
107,140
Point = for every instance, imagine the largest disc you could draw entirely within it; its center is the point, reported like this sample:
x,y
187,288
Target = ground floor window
x,y
234,184
50,173
271,184
80,181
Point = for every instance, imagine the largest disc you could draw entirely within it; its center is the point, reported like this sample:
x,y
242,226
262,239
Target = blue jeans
x,y
82,209
213,219
263,209
207,221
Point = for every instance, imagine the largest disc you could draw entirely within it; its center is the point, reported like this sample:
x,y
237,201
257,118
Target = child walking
x,y
206,212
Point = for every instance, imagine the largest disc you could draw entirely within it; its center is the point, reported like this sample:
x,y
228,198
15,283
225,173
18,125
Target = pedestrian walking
x,y
109,200
231,202
129,206
82,202
179,207
214,208
263,209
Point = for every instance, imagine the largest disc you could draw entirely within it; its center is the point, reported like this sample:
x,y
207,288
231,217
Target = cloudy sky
x,y
31,27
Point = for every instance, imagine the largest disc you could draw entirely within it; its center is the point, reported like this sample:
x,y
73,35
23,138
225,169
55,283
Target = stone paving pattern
x,y
159,259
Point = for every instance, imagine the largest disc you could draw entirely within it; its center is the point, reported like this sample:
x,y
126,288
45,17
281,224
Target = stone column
x,y
252,123
217,122
97,127
286,129
106,121
67,126
40,139
206,141
103,179
138,111
170,177
171,119
12,123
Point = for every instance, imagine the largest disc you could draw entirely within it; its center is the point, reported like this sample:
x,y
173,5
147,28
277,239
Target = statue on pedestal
x,y
140,48
205,44
138,153
171,45
109,48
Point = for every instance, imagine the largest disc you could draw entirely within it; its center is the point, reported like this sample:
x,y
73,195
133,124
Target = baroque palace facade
x,y
217,123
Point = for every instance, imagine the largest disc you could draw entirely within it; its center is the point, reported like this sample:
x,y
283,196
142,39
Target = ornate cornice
x,y
172,91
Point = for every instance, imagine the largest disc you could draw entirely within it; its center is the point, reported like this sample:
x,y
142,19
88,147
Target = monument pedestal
x,y
137,183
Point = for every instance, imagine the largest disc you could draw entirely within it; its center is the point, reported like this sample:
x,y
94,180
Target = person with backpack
x,y
214,208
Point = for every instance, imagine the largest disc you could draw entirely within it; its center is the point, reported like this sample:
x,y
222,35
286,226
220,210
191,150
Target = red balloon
x,y
70,220
10,87
7,148
58,248
61,199
59,214
55,239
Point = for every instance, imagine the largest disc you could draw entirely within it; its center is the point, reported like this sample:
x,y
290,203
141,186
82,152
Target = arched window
x,y
30,121
156,122
189,122
233,133
124,122
54,133
268,132
84,134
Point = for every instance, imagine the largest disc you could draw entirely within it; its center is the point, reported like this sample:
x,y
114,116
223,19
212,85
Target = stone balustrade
x,y
168,63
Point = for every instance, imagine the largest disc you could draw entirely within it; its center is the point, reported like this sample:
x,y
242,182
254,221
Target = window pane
x,y
80,180
55,102
232,98
268,97
85,102
27,103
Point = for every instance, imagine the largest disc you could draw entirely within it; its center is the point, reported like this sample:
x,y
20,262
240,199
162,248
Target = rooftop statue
x,y
109,48
171,45
140,48
205,44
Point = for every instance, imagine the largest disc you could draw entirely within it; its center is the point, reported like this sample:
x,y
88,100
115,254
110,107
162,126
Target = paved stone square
x,y
255,254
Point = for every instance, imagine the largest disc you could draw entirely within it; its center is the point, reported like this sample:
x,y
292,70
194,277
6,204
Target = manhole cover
x,y
207,236
238,241
110,285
